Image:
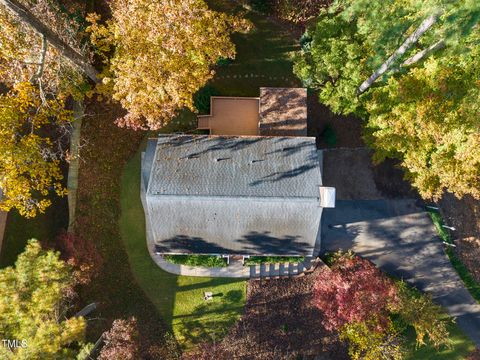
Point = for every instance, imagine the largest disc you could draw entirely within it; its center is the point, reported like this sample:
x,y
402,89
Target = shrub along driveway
x,y
398,236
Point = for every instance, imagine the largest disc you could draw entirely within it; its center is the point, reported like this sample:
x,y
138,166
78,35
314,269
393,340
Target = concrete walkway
x,y
400,238
234,270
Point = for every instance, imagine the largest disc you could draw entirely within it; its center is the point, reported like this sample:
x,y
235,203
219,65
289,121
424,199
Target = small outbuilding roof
x,y
283,112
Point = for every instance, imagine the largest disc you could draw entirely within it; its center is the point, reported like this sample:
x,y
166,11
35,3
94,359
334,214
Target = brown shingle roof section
x,y
283,112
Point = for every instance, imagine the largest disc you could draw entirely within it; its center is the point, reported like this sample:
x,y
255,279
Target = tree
x,y
24,28
366,343
33,306
420,105
407,29
29,154
407,44
81,254
43,66
121,341
430,119
371,312
354,291
335,61
355,38
163,53
427,318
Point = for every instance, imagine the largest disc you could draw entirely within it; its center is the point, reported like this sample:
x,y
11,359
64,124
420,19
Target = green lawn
x,y
19,230
461,347
179,299
263,56
470,283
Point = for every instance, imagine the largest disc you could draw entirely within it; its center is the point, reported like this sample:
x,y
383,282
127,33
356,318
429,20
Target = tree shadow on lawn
x,y
264,52
44,227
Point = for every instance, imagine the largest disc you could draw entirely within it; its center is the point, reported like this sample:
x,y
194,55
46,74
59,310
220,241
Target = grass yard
x,y
263,56
19,230
461,347
179,299
470,283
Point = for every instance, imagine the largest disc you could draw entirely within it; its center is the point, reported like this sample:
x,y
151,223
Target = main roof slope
x,y
232,166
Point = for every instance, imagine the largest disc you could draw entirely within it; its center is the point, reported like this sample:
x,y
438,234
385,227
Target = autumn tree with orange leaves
x,y
158,54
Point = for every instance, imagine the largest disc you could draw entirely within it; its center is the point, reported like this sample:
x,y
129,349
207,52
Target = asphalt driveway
x,y
399,237
392,231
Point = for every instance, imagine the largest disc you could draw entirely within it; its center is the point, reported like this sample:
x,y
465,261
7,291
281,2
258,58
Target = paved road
x,y
400,238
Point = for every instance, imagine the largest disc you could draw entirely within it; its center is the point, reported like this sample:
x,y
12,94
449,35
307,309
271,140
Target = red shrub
x,y
207,351
81,254
121,341
353,291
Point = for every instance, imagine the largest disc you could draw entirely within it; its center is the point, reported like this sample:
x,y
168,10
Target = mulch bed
x,y
348,129
464,215
280,322
106,148
474,355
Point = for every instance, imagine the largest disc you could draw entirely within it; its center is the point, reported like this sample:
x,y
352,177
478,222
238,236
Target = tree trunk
x,y
41,60
421,54
73,166
412,39
66,50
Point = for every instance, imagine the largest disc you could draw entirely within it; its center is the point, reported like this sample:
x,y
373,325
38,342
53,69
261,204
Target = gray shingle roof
x,y
233,226
233,166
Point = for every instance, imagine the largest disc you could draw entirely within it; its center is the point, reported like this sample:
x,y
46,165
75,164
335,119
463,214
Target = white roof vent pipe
x,y
327,197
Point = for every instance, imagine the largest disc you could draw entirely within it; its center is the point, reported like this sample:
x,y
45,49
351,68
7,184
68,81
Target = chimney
x,y
327,197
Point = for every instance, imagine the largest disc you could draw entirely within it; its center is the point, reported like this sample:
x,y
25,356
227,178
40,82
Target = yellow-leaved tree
x,y
430,119
43,61
159,53
29,156
39,44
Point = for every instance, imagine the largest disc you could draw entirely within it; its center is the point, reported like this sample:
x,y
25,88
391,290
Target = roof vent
x,y
256,160
327,197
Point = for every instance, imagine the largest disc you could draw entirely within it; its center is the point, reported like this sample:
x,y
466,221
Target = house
x,y
248,194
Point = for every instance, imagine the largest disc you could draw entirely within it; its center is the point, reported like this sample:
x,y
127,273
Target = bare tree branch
x,y
421,54
66,50
412,39
41,60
